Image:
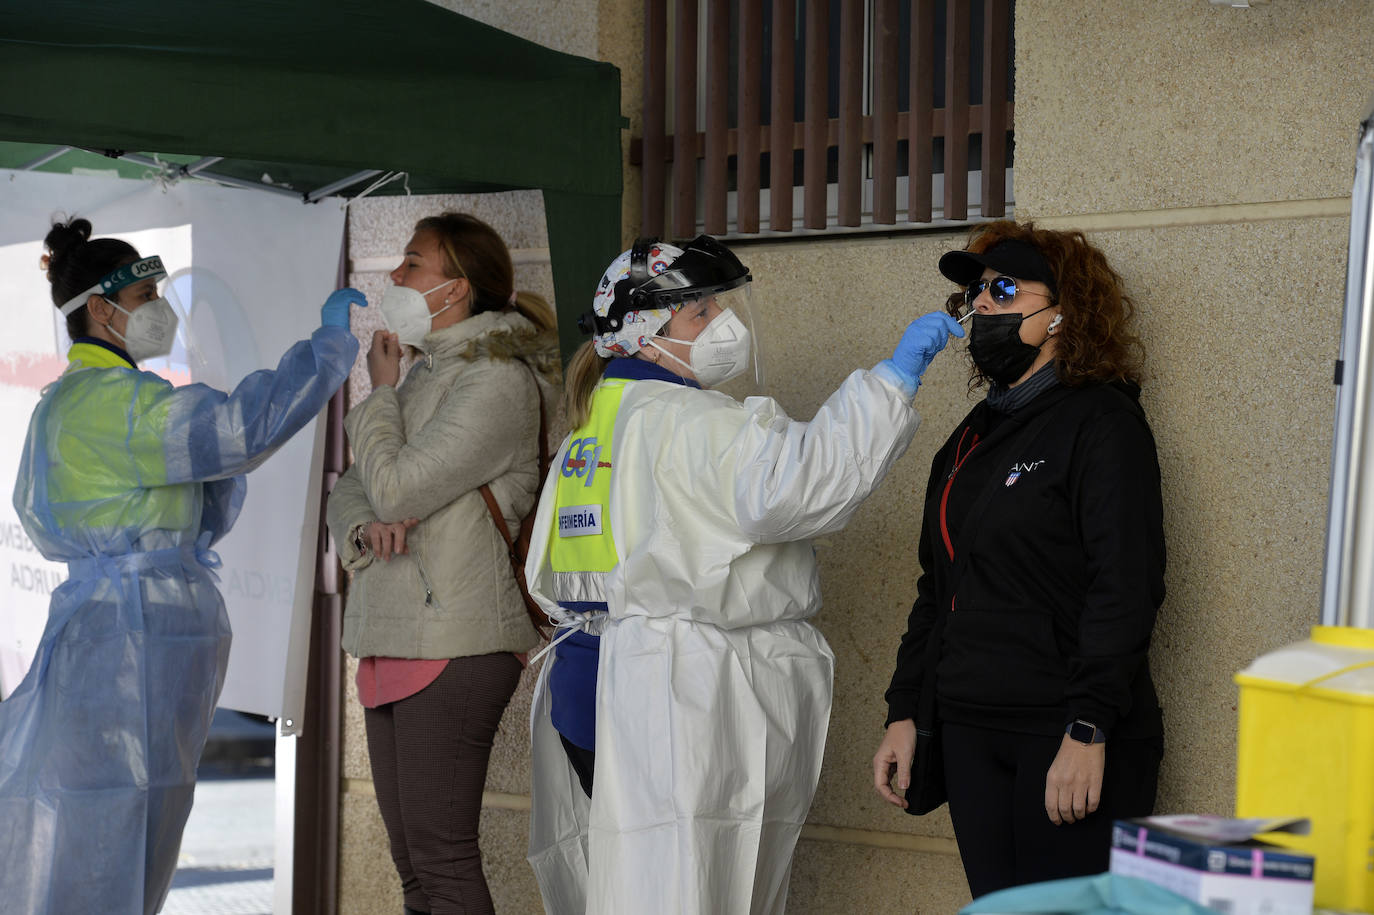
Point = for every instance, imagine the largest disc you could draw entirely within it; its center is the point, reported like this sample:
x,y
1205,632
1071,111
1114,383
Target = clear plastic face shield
x,y
724,346
179,292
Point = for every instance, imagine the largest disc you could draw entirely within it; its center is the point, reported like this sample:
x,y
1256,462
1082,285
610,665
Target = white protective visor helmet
x,y
645,286
619,330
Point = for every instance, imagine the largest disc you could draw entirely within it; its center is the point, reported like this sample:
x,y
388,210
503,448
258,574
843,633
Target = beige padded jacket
x,y
466,414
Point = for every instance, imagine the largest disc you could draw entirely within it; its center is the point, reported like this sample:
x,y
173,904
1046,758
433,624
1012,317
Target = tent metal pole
x,y
45,158
249,185
356,178
1348,576
200,165
208,176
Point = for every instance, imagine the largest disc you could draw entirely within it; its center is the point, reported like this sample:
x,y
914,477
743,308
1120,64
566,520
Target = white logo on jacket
x,y
1019,468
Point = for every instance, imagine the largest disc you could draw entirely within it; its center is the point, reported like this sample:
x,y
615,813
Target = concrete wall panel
x,y
1122,105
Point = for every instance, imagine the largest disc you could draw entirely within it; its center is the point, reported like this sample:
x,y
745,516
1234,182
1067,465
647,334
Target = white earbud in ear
x,y
1055,323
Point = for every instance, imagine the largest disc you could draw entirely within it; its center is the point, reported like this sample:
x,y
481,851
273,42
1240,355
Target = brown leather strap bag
x,y
519,547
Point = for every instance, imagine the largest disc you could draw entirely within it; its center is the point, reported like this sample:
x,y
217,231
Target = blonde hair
x,y
580,379
474,251
535,309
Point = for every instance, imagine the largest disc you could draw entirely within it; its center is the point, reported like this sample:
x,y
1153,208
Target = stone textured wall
x,y
1209,152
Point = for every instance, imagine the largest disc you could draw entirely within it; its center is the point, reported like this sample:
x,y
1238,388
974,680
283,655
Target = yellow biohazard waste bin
x,y
1306,748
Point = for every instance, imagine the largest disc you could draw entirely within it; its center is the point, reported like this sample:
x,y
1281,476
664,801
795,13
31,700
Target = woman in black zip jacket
x,y
1042,558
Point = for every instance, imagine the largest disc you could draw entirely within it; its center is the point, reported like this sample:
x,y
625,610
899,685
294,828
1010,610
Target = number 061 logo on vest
x,y
584,457
579,520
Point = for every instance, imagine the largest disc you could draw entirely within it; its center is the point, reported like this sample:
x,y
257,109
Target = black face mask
x,y
997,348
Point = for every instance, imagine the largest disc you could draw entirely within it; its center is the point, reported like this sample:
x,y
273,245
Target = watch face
x,y
1082,732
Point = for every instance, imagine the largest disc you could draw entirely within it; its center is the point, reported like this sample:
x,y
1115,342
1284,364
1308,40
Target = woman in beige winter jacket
x,y
434,614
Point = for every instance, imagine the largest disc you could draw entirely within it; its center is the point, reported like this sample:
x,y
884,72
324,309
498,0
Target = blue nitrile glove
x,y
923,338
335,310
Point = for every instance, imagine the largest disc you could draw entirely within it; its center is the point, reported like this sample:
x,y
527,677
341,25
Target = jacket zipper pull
x,y
429,589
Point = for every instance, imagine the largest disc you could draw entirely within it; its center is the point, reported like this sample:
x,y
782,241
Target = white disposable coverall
x,y
713,693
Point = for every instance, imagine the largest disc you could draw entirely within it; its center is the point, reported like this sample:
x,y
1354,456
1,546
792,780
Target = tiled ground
x,y
220,891
225,866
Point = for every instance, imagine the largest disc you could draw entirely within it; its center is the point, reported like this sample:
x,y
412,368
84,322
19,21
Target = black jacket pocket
x,y
1001,658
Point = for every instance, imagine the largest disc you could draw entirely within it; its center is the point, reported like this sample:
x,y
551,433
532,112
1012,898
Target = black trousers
x,y
583,762
429,757
996,786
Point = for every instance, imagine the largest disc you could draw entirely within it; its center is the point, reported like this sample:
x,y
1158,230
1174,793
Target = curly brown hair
x,y
1095,340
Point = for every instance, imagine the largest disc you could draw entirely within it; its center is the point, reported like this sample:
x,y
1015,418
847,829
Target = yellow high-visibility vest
x,y
108,400
582,544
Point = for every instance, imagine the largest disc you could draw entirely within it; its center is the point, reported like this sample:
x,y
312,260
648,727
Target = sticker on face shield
x,y
579,520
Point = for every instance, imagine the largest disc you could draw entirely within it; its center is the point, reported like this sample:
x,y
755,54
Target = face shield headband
x,y
705,268
149,268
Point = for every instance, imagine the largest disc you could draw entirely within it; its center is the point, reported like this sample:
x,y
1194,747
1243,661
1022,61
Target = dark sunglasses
x,y
1002,289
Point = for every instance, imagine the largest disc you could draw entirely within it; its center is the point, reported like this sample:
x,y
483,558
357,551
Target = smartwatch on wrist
x,y
1085,732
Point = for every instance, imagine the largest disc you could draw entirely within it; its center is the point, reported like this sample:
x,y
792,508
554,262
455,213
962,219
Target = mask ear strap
x,y
115,306
680,362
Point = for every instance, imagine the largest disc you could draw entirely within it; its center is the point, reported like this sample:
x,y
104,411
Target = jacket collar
x,y
447,341
988,422
93,353
643,370
498,335
1008,400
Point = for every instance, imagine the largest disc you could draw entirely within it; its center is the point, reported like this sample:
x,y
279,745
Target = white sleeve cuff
x,y
902,382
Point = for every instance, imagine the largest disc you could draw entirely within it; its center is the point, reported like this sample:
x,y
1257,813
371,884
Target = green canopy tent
x,y
323,98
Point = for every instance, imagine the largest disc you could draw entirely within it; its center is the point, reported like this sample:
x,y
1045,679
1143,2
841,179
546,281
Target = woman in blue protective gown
x,y
130,481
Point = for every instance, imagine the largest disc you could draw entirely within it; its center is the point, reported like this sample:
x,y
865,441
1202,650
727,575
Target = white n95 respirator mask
x,y
720,352
407,314
150,330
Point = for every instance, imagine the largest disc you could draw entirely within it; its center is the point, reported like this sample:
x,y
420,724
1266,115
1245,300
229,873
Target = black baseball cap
x,y
1017,259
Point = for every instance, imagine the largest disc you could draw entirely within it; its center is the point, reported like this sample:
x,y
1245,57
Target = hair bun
x,y
62,238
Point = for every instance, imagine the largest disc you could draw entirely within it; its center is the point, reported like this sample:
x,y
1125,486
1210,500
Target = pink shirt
x,y
383,680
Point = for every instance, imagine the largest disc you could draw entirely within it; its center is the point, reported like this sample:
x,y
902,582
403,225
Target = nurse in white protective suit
x,y
678,729
130,481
